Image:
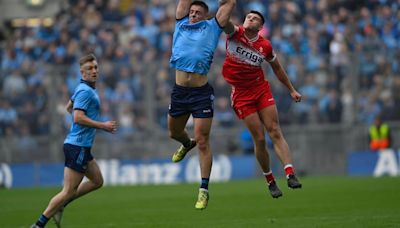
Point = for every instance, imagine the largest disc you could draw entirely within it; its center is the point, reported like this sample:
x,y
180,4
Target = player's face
x,y
90,71
252,22
196,14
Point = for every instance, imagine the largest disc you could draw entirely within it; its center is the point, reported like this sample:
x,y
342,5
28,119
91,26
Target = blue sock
x,y
42,221
204,183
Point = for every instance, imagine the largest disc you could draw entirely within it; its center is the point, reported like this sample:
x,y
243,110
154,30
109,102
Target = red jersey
x,y
242,66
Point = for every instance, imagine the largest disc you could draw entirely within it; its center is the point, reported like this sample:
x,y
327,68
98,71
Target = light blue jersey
x,y
194,44
86,99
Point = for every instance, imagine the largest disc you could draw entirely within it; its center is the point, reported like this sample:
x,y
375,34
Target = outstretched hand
x,y
296,96
110,126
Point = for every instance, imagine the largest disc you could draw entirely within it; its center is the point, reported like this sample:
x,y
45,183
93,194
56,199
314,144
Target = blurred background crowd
x,y
342,56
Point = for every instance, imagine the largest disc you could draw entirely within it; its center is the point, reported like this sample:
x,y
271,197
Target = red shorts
x,y
247,101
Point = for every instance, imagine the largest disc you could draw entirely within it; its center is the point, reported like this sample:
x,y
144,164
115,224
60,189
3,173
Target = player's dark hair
x,y
258,13
87,58
200,3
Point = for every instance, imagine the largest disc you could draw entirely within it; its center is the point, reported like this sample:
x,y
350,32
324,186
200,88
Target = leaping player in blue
x,y
194,41
79,162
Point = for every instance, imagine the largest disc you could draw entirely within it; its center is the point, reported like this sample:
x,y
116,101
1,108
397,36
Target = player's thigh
x,y
177,124
255,126
72,179
269,116
202,128
93,172
179,108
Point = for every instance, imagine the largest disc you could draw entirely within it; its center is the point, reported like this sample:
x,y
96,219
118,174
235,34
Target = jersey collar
x,y
91,84
252,40
248,39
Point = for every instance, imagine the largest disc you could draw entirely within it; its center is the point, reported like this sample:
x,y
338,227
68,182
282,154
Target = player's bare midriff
x,y
186,79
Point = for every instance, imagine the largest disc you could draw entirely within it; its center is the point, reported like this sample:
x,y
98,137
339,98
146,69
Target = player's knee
x,y
99,182
202,144
275,132
69,193
259,141
203,147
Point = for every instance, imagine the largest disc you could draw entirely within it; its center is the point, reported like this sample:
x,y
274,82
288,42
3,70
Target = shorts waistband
x,y
73,145
192,88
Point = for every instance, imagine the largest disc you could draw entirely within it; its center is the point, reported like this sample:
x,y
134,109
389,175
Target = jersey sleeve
x,y
81,100
184,19
215,25
270,54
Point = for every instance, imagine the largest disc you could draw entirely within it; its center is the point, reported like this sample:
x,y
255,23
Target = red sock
x,y
289,170
269,177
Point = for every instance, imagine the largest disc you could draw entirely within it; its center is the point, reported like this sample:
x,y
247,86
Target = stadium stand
x,y
343,56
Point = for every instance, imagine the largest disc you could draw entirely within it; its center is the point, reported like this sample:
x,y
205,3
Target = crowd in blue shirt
x,y
342,56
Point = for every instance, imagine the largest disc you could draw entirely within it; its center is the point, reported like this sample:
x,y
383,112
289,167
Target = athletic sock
x,y
269,177
289,170
42,221
204,183
187,144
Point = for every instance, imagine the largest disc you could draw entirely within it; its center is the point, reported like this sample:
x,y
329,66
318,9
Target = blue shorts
x,y
198,101
77,157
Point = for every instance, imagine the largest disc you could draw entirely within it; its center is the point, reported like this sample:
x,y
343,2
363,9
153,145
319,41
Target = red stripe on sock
x,y
289,170
269,178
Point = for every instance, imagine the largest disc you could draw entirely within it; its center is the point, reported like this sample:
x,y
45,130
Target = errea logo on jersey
x,y
206,110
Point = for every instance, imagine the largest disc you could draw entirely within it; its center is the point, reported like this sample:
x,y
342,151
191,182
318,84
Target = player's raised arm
x,y
282,76
224,12
230,28
182,9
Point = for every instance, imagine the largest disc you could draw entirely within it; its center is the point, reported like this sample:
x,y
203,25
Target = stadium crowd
x,y
343,56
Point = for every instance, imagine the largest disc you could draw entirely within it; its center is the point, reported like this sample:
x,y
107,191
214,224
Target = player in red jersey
x,y
251,95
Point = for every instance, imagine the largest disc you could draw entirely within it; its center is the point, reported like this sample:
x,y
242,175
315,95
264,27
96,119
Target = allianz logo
x,y
116,172
388,163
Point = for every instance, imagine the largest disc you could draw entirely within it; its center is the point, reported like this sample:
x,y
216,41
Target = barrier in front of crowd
x,y
132,172
380,163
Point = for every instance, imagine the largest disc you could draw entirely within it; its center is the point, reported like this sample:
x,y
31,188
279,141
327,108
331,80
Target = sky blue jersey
x,y
194,44
86,99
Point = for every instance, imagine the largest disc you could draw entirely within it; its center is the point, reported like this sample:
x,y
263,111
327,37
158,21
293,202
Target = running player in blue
x,y
79,162
194,41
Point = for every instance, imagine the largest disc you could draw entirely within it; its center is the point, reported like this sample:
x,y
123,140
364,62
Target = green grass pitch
x,y
322,202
